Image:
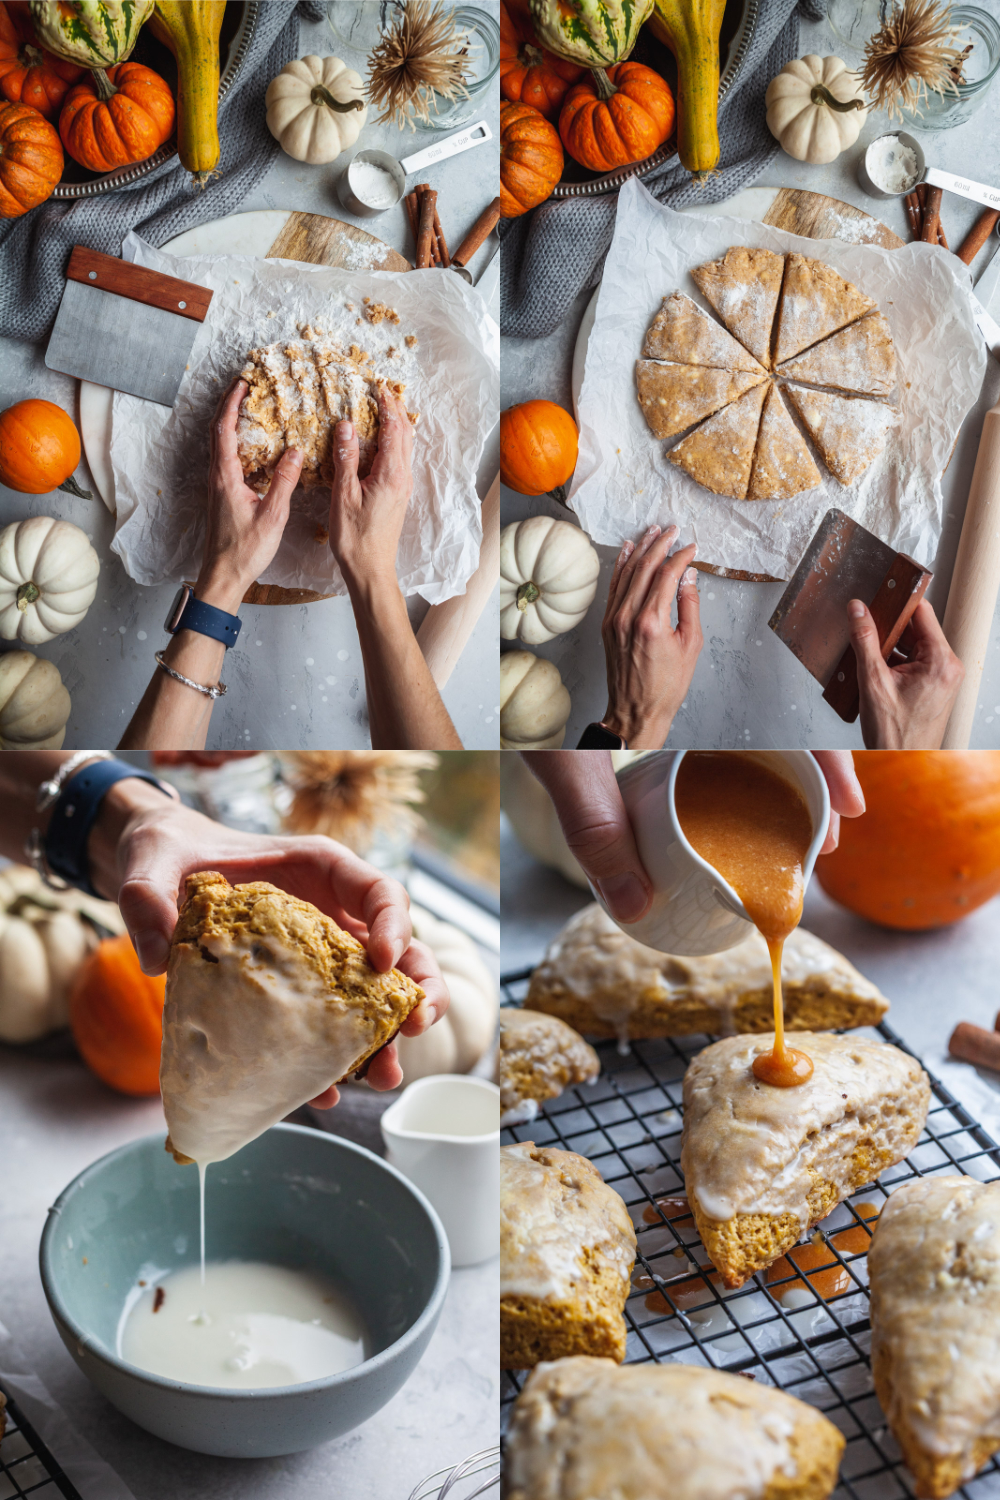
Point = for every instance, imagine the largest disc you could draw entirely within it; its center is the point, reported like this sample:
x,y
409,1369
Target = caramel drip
x,y
822,1272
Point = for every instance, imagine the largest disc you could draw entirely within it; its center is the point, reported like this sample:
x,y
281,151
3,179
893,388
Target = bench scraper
x,y
125,326
843,562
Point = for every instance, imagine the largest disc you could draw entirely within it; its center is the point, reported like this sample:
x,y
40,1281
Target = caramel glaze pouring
x,y
752,826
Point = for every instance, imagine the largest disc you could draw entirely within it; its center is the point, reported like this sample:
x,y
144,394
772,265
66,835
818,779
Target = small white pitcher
x,y
694,910
443,1133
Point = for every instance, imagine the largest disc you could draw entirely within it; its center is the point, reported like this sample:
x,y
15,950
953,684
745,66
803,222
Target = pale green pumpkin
x,y
90,33
590,33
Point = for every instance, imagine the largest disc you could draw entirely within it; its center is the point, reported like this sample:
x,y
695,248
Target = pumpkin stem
x,y
321,95
559,495
72,488
102,83
527,594
27,594
603,85
821,95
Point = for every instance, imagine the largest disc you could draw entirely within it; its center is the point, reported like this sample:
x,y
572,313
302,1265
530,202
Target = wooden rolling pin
x,y
445,629
975,581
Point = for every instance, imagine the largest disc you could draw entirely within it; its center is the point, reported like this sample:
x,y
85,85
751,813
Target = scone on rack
x,y
762,1165
585,1428
539,1056
934,1268
268,1002
567,1247
605,984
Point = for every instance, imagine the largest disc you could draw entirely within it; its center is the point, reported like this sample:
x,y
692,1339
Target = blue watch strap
x,y
208,620
75,813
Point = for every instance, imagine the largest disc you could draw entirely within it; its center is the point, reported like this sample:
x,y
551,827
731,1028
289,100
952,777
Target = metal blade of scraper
x,y
843,562
125,326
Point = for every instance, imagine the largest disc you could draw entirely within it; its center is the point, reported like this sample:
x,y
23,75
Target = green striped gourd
x,y
590,33
90,33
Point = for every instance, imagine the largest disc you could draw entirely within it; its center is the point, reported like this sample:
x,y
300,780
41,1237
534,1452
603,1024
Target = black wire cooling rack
x,y
27,1468
628,1123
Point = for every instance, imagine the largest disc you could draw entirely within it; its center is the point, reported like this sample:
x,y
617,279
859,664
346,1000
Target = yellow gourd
x,y
190,28
690,28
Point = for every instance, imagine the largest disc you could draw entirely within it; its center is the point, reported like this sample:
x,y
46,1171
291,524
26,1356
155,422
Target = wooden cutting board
x,y
321,241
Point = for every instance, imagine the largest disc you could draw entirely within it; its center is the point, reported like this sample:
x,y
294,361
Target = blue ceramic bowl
x,y
296,1198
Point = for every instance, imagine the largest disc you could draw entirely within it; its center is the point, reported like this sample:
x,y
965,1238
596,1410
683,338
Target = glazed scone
x,y
267,1002
683,333
934,1268
539,1056
585,1429
567,1247
605,984
762,1164
743,287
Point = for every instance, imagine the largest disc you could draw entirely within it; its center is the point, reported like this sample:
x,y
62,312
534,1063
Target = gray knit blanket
x,y
556,252
34,249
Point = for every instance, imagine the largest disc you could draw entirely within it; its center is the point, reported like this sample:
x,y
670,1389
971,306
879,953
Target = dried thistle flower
x,y
423,54
349,795
911,55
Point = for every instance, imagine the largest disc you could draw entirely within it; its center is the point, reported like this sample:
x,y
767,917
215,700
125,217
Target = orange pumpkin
x,y
31,159
529,74
531,159
29,74
927,850
115,1011
538,448
39,445
616,116
117,116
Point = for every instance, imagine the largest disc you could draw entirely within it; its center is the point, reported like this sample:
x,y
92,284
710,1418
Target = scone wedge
x,y
815,302
719,453
674,397
681,332
585,1429
934,1268
763,1164
744,287
605,984
539,1056
849,431
268,1002
782,464
567,1247
860,359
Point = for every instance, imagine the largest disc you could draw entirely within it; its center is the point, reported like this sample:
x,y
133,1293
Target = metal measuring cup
x,y
472,135
868,184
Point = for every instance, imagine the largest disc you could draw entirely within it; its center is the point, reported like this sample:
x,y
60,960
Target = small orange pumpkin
x,y
29,74
115,1012
529,74
531,159
616,116
927,850
31,159
538,448
39,446
117,116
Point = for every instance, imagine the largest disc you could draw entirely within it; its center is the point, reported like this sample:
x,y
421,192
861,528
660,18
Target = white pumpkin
x,y
44,939
34,705
534,705
316,108
533,817
48,579
457,1042
807,126
548,578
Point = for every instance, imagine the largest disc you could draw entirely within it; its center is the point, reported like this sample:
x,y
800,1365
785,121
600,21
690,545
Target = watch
x,y
596,737
189,613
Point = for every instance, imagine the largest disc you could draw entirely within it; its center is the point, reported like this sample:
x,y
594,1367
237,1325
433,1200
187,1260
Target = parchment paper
x,y
160,456
623,481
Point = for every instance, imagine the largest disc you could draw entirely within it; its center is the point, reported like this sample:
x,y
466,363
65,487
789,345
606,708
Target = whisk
x,y
443,1481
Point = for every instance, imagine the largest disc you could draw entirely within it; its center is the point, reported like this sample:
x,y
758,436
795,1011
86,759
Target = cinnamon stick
x,y
425,232
413,214
420,189
977,236
442,243
976,1045
932,215
912,204
941,237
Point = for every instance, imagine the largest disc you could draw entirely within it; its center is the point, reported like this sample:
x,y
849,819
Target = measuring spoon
x,y
979,192
347,190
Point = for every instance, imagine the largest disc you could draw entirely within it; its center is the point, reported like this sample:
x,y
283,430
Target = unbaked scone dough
x,y
744,287
719,453
782,464
815,302
683,333
849,431
674,397
860,359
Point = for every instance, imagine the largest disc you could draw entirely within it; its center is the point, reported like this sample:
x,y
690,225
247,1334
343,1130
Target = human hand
x,y
847,800
242,530
366,515
906,705
649,663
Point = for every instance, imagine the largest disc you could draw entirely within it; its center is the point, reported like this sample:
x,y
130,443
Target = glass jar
x,y
483,40
941,112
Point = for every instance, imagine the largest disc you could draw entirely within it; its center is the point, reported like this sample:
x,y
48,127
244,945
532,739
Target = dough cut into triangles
x,y
815,302
782,464
674,397
762,1164
719,453
268,1002
934,1268
849,431
744,287
860,359
683,333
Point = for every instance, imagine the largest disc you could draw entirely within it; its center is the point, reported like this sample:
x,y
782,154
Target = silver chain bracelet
x,y
199,687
